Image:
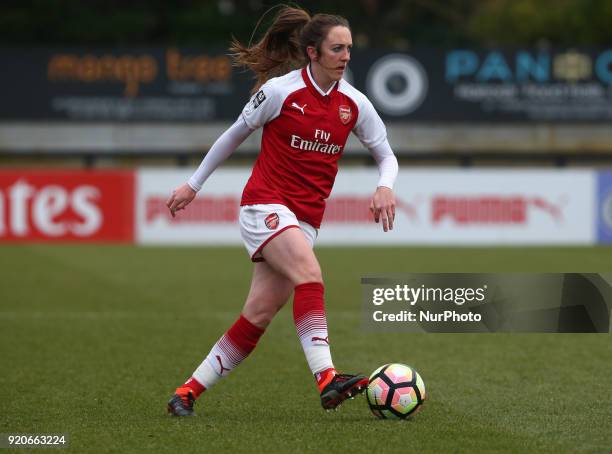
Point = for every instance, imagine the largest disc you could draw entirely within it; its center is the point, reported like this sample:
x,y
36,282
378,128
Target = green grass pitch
x,y
95,338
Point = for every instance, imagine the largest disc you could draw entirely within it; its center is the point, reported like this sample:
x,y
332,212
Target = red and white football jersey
x,y
304,134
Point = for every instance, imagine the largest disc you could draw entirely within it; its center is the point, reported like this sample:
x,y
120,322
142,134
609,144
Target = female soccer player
x,y
306,115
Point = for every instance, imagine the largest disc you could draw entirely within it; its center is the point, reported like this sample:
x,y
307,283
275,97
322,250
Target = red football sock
x,y
311,325
244,335
191,385
229,351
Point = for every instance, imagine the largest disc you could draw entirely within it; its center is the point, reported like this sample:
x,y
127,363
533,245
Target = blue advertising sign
x,y
604,207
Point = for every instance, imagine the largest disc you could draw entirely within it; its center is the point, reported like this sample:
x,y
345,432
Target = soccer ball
x,y
395,391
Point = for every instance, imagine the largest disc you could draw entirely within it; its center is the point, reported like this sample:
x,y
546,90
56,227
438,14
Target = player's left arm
x,y
382,204
371,131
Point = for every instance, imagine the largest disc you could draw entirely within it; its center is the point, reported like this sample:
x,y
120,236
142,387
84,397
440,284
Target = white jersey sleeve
x,y
265,105
371,132
387,164
223,147
369,129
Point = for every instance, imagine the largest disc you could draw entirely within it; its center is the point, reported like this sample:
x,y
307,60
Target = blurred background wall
x,y
520,80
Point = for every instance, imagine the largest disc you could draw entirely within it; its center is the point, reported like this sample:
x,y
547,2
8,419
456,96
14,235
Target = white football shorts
x,y
260,223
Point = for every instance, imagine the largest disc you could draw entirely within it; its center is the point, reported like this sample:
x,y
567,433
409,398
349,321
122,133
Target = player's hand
x,y
383,207
180,198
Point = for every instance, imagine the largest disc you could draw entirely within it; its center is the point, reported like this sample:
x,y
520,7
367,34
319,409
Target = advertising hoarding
x,y
60,206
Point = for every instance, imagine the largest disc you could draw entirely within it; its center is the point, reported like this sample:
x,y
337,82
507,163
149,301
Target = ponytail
x,y
279,51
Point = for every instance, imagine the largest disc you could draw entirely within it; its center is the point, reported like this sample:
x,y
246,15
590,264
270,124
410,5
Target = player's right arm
x,y
223,147
260,109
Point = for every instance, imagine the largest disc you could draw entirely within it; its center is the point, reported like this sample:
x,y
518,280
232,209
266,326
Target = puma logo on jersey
x,y
301,109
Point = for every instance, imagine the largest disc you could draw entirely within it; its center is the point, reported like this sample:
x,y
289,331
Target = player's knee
x,y
310,272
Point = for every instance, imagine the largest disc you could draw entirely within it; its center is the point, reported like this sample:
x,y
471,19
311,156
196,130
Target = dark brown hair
x,y
283,47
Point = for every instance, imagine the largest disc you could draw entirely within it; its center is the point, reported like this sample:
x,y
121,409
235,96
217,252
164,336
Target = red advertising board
x,y
66,205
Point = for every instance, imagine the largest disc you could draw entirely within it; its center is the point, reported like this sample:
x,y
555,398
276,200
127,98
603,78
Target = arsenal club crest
x,y
345,114
271,221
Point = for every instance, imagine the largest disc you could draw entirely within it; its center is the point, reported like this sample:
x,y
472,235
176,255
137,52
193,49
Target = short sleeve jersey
x,y
304,135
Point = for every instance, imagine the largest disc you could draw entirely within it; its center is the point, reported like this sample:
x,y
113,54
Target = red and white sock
x,y
311,325
192,385
229,351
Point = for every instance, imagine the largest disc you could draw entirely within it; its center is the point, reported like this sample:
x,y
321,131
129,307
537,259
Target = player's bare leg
x,y
269,292
292,256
